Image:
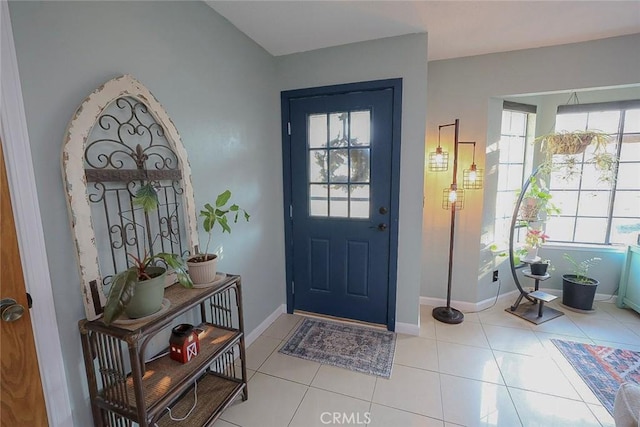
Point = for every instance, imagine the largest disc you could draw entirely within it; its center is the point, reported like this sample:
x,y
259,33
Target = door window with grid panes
x,y
592,210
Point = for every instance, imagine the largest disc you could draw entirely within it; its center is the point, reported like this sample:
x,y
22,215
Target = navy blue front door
x,y
341,215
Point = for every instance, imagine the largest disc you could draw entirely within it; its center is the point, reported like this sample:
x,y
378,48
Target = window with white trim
x,y
593,210
518,129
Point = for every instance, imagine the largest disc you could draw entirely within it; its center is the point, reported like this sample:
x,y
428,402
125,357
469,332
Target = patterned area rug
x,y
347,346
602,368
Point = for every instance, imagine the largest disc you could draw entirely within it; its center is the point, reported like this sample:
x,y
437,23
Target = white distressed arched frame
x,y
73,166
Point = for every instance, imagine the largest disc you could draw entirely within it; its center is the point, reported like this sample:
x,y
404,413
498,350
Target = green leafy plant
x,y
581,268
221,215
535,238
497,251
123,284
538,191
146,197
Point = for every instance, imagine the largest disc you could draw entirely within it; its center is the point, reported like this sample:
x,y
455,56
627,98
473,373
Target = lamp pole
x,y
453,199
449,314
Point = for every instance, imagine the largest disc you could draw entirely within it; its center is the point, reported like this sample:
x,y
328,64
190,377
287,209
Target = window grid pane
x,y
605,212
339,168
511,164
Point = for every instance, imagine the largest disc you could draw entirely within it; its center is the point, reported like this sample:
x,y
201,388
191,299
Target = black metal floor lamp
x,y
453,200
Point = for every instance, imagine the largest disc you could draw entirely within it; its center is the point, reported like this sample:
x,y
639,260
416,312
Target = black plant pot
x,y
539,268
576,294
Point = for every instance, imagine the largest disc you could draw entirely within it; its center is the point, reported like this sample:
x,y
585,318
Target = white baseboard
x,y
438,302
253,335
466,306
407,328
606,298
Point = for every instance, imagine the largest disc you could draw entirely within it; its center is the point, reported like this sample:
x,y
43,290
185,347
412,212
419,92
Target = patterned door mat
x,y
604,369
353,347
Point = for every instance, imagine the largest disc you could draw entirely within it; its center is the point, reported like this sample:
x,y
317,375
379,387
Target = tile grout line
x,y
440,379
495,359
298,407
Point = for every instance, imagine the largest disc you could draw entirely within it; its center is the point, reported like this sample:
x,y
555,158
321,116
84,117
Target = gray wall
x,y
405,57
219,87
469,89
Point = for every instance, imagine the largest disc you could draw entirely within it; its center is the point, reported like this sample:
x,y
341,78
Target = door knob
x,y
381,227
11,310
383,210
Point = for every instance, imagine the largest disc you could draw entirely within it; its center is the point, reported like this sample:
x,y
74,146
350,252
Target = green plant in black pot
x,y
139,290
578,289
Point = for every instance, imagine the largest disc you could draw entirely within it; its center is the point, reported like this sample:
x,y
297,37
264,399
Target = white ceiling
x,y
456,28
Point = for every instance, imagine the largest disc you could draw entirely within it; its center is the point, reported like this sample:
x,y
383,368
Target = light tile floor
x,y
494,369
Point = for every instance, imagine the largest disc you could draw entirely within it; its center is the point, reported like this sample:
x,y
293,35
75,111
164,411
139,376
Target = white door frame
x,y
24,199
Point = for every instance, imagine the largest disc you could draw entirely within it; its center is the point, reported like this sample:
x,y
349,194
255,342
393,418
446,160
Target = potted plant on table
x,y
578,289
139,290
203,266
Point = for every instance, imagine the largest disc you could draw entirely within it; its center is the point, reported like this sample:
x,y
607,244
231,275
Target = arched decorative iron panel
x,y
119,140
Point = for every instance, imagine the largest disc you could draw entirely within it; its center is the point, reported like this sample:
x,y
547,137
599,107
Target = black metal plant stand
x,y
528,312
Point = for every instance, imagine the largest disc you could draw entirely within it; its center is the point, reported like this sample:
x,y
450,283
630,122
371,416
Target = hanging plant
x,y
573,143
570,166
564,142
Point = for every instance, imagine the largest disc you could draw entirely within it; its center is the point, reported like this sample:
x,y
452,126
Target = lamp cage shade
x,y
438,160
472,178
453,196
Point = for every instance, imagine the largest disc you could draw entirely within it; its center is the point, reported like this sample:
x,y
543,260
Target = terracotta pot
x,y
203,272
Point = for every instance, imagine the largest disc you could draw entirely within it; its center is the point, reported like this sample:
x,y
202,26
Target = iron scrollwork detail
x,y
131,136
128,150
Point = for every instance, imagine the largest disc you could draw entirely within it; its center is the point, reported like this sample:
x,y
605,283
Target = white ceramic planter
x,y
531,256
203,272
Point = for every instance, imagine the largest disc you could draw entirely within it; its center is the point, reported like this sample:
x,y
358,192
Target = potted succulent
x,y
138,291
203,266
578,289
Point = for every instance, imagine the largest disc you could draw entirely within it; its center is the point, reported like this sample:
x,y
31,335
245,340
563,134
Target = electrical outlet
x,y
495,275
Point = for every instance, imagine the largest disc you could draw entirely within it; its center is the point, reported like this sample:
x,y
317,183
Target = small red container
x,y
184,344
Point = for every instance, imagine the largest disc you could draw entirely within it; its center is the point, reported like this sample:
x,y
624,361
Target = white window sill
x,y
585,247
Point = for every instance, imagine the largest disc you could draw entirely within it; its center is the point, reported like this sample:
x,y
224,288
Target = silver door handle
x,y
11,310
